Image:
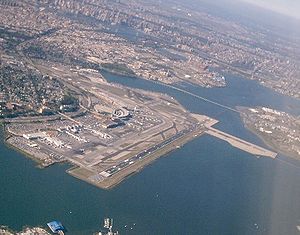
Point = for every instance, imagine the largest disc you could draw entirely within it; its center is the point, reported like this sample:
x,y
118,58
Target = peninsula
x,y
57,106
279,130
114,132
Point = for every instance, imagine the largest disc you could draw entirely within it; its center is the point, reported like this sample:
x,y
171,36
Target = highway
x,y
198,96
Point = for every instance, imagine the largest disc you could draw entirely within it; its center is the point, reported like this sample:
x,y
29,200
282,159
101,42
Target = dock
x,y
56,227
241,144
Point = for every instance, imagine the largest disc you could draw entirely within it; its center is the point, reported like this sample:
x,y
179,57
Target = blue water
x,y
206,187
238,92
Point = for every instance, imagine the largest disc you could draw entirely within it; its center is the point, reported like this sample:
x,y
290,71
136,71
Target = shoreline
x,y
26,154
26,228
268,144
119,177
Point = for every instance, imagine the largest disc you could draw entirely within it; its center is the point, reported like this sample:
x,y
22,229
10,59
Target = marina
x,y
240,180
177,117
108,225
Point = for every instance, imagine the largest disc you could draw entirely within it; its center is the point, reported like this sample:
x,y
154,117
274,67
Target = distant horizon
x,y
289,8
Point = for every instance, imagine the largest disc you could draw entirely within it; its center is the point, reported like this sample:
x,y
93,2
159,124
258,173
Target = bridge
x,y
198,97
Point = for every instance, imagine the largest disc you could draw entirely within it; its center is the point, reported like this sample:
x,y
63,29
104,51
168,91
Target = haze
x,y
286,7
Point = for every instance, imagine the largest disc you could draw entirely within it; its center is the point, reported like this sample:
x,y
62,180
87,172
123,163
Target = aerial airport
x,y
114,132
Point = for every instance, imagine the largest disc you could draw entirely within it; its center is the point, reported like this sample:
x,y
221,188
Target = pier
x,y
241,144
